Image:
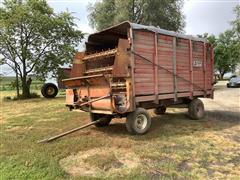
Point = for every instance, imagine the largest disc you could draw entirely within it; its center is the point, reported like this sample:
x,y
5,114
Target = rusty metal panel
x,y
103,104
69,96
78,67
94,91
122,59
97,79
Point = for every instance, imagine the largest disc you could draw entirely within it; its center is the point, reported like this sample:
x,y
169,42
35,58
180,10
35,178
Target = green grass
x,y
7,81
103,162
174,148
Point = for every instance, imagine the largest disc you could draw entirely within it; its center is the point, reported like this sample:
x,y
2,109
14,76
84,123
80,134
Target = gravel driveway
x,y
226,101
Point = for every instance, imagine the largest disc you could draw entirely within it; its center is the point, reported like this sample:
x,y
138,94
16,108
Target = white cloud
x,y
212,16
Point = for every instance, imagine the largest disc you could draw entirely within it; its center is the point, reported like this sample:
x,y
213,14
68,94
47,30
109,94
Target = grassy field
x,y
174,148
7,83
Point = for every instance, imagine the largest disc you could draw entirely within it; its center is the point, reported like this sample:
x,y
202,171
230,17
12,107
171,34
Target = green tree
x,y
236,22
34,39
165,13
226,47
224,57
226,52
236,31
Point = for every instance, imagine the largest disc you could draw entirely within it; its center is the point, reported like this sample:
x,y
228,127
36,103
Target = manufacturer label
x,y
197,63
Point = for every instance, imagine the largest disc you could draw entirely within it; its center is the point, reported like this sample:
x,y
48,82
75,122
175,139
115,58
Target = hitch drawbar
x,y
78,128
69,132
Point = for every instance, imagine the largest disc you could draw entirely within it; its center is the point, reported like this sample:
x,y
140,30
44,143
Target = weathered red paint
x,y
140,67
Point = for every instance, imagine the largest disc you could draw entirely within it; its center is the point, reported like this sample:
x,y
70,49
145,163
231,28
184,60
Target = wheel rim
x,y
199,110
50,90
141,122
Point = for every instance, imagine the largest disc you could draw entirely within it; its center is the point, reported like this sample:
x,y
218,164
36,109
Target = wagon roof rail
x,y
121,29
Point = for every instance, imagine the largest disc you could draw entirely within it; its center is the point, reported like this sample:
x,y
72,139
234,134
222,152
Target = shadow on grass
x,y
227,116
9,99
178,124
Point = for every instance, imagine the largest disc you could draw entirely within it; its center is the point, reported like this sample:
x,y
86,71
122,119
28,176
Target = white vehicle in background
x,y
234,82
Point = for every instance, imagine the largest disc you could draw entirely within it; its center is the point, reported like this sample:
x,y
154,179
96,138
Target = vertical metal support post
x,y
212,68
155,63
174,69
204,68
132,63
191,68
89,96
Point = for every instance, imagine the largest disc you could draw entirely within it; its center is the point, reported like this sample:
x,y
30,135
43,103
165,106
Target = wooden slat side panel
x,y
165,55
183,66
143,71
209,73
198,72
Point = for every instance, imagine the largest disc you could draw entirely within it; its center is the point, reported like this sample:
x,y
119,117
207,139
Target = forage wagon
x,y
129,68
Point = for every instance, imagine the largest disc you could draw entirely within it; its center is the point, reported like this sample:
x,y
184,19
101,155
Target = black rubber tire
x,y
132,119
196,109
160,110
105,122
45,90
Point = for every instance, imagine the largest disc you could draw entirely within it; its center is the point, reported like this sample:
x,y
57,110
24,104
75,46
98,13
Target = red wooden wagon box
x,y
129,68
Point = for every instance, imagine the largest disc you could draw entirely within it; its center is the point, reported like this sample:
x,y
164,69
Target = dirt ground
x,y
226,100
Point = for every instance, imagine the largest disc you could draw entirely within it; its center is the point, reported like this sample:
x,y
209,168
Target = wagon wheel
x,y
196,109
106,119
160,110
49,90
138,122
